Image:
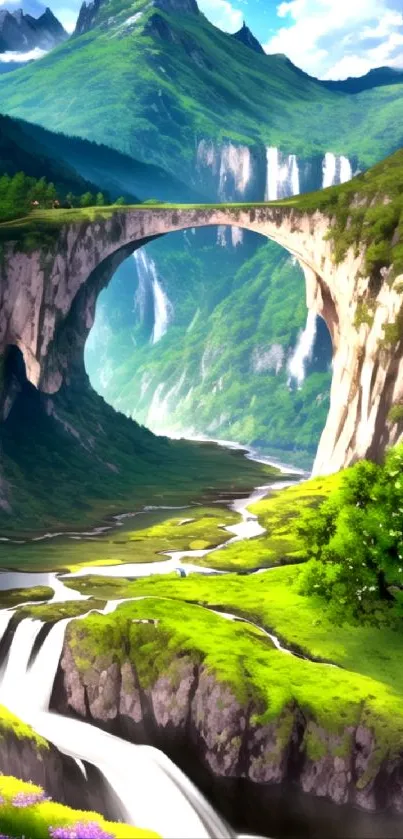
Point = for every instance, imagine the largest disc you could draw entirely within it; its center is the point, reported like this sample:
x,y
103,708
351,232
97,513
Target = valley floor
x,y
261,677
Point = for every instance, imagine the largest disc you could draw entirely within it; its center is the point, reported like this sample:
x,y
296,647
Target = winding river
x,y
182,812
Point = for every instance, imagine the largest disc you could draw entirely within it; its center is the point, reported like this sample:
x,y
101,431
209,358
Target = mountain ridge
x,y
21,32
161,77
245,36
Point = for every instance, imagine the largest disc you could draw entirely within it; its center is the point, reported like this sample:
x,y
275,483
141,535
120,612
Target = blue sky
x,y
327,38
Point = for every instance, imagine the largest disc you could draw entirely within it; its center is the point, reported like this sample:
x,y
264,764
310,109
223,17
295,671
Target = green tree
x,y
355,543
100,199
51,195
87,200
120,201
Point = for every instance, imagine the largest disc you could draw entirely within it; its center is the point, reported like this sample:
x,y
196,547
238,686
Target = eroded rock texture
x,y
48,298
189,706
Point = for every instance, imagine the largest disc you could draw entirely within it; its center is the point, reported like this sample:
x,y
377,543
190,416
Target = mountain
x,y
21,32
164,81
379,77
231,123
246,37
18,153
80,163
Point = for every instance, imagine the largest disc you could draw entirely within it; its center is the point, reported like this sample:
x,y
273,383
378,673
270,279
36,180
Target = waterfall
x,y
222,236
143,286
272,174
12,688
40,677
139,775
336,170
329,170
294,175
162,310
303,351
235,171
282,180
148,283
236,236
346,170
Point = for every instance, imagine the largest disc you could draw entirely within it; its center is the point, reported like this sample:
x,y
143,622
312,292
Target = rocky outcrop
x,y
246,37
48,296
189,708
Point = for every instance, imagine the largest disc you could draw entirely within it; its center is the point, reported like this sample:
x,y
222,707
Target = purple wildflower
x,y
28,799
81,830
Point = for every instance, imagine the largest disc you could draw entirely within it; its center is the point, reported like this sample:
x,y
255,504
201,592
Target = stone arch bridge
x,y
48,297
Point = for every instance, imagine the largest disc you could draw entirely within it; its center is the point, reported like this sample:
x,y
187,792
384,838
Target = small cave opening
x,y
14,369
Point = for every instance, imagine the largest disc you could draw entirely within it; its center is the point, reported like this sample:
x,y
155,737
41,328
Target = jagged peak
x,y
94,13
246,37
20,16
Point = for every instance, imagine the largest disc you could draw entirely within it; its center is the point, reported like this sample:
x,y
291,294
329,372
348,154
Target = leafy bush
x,y
354,542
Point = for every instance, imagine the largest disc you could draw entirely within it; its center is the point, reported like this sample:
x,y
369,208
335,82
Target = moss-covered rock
x,y
52,612
15,596
223,688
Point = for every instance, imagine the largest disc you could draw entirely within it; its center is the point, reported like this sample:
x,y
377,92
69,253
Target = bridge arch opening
x,y
207,333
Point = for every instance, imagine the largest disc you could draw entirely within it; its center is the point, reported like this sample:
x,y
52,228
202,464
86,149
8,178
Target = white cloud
x,y
222,14
336,40
67,17
9,57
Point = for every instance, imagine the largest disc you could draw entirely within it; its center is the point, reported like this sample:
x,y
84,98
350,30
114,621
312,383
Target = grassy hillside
x,y
160,82
85,461
77,165
18,153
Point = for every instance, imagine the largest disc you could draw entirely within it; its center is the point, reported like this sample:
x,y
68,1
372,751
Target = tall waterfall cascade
x,y
336,170
282,176
26,690
304,350
148,283
231,165
283,173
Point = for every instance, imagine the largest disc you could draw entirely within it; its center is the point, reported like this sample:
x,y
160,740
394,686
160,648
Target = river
x,y
182,810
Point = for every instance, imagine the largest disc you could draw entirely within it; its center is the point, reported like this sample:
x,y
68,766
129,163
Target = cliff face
x,y
189,707
48,298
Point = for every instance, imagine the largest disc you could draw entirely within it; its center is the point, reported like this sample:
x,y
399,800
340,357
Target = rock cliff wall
x,y
48,296
189,709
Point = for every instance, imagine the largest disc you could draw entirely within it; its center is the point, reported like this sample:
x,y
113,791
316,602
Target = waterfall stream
x,y
139,775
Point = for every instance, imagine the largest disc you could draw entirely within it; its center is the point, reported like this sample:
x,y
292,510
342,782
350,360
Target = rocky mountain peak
x,y
20,32
95,13
246,37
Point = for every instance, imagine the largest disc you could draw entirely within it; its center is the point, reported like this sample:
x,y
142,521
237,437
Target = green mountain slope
x,y
77,165
162,80
19,154
222,367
